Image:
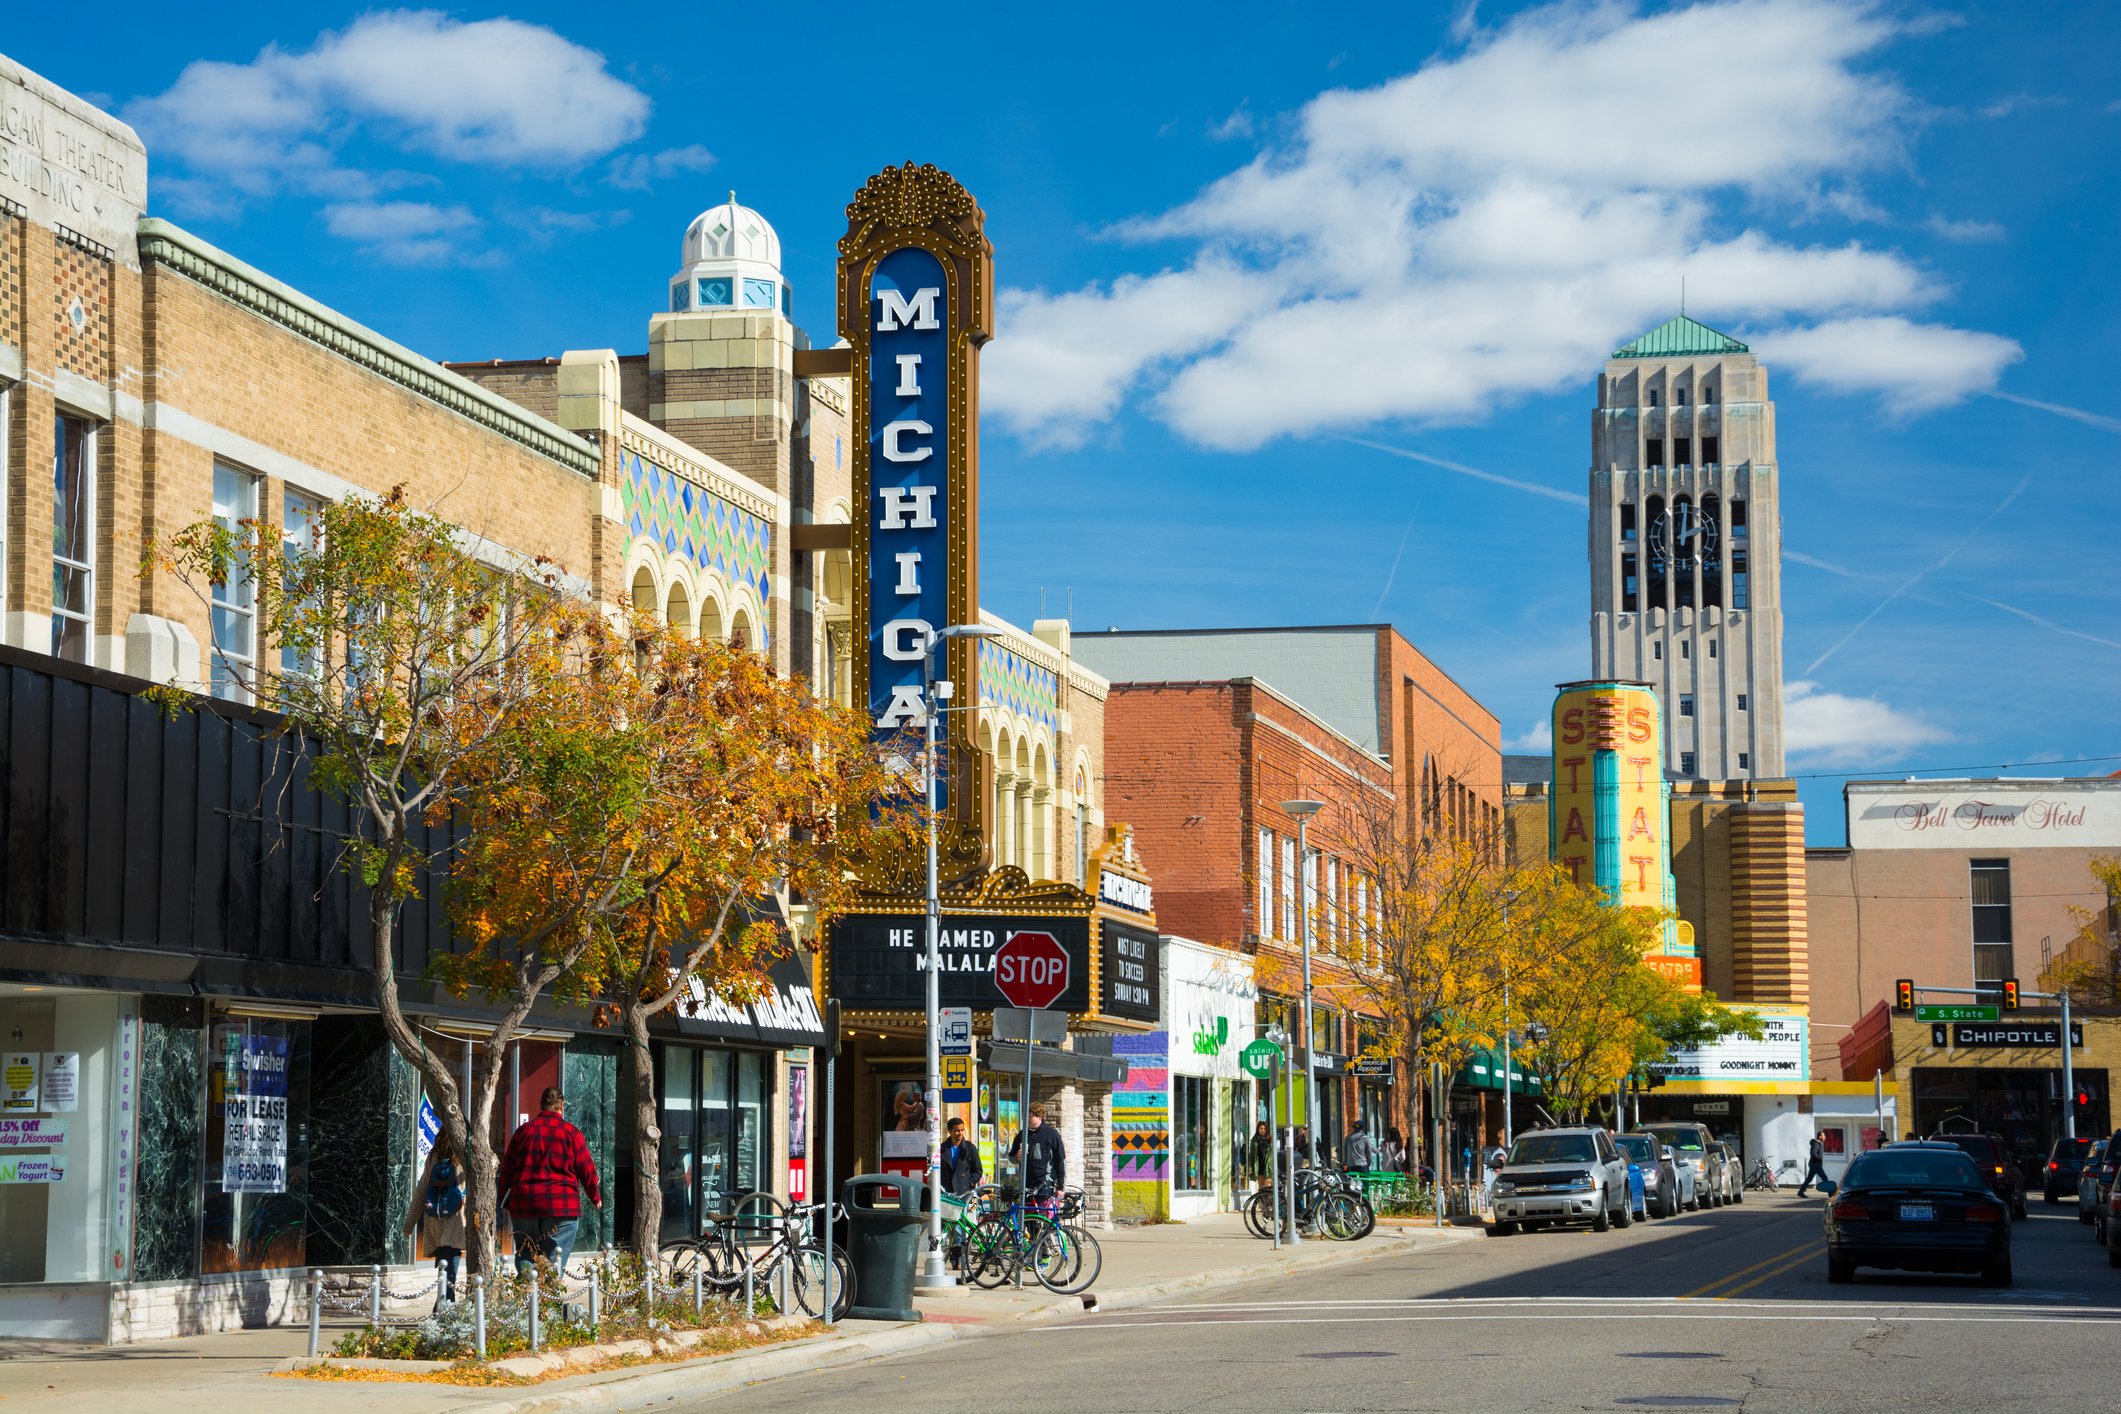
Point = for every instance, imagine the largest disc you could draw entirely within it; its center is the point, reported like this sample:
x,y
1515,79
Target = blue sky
x,y
1245,249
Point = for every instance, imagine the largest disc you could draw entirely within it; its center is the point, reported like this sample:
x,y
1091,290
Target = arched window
x,y
1660,551
644,595
1686,548
710,619
1711,553
740,630
679,614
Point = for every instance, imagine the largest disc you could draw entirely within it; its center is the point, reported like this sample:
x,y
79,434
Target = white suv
x,y
1563,1176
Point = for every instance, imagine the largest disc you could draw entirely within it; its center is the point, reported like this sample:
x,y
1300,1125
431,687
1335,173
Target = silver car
x,y
1690,1149
1554,1176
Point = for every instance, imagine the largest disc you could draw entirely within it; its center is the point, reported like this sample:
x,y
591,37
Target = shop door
x,y
714,1148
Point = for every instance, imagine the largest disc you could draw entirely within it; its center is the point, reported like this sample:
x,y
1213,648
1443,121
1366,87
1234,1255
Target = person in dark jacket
x,y
1356,1151
541,1182
961,1166
1045,1165
1259,1156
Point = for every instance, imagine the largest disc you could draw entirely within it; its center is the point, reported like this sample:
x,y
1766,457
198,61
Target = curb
x,y
831,1351
725,1372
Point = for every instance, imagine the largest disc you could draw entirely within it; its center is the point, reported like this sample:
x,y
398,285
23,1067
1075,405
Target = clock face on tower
x,y
1681,533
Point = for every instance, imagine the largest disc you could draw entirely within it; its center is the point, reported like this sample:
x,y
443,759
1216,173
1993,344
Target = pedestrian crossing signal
x,y
2010,994
1904,997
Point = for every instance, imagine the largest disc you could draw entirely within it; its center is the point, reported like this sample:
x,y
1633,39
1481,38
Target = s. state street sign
x,y
1031,969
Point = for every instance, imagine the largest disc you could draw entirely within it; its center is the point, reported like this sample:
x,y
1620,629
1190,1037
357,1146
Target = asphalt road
x,y
1728,1309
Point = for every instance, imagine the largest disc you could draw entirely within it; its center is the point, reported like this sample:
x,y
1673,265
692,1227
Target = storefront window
x,y
716,1147
1192,1106
256,1208
59,1204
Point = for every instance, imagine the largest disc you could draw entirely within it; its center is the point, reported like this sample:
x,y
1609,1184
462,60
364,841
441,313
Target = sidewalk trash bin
x,y
887,1225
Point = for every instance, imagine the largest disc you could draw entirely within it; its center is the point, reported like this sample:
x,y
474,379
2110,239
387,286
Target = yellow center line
x,y
1766,1276
1778,1257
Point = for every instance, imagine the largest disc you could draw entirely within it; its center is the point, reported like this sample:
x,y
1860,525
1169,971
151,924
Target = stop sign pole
x,y
1031,970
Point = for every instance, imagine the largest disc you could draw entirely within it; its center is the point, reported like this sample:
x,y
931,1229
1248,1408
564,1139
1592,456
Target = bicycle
x,y
1329,1202
1761,1177
790,1267
1010,1235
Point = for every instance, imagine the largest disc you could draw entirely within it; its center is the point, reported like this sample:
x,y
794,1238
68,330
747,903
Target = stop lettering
x,y
1031,969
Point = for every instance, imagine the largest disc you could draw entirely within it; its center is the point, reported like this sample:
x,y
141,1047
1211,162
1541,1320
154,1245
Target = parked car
x,y
1994,1160
2095,1184
2065,1165
1661,1193
1919,1206
1690,1148
1733,1172
1554,1176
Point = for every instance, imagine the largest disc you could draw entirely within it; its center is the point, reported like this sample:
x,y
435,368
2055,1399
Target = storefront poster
x,y
798,1111
30,1132
62,1082
18,1074
34,1168
254,1144
957,1080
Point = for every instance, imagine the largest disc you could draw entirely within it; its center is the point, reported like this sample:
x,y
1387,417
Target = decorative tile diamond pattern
x,y
1020,685
695,524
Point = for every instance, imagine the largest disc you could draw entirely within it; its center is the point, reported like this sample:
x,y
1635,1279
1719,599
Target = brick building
x,y
1207,732
1950,884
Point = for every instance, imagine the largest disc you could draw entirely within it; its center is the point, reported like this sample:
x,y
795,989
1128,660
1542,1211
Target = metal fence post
x,y
533,1308
478,1313
316,1307
699,1291
593,1266
375,1295
648,1289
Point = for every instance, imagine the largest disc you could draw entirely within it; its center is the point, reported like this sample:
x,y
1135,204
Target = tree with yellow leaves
x,y
2089,969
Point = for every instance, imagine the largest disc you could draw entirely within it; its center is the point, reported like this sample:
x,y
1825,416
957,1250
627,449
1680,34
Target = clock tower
x,y
1686,546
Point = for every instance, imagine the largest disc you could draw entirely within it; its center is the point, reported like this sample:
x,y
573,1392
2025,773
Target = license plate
x,y
1917,1213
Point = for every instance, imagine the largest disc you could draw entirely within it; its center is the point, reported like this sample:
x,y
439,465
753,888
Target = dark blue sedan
x,y
1920,1207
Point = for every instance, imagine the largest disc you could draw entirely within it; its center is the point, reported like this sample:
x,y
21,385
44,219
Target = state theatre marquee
x,y
1782,1054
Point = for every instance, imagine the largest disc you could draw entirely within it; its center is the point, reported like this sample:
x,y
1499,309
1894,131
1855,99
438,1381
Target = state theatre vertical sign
x,y
916,291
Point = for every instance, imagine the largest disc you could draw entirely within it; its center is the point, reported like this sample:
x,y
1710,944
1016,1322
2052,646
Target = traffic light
x,y
1904,996
2010,994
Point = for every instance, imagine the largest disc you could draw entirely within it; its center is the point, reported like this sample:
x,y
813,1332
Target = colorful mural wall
x,y
1141,1128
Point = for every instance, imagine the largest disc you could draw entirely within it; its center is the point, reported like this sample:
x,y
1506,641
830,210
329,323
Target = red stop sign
x,y
1032,970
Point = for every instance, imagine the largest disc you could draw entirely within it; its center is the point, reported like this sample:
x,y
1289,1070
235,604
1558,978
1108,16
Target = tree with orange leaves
x,y
652,807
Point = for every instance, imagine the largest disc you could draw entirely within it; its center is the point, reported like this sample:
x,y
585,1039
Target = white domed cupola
x,y
732,262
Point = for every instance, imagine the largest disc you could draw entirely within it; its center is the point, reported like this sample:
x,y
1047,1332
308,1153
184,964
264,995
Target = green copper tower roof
x,y
1679,338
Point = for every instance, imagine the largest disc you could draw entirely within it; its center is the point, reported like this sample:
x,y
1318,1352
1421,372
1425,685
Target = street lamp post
x,y
1302,811
933,693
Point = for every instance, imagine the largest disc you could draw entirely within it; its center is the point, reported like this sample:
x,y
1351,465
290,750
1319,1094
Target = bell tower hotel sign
x,y
1984,815
68,166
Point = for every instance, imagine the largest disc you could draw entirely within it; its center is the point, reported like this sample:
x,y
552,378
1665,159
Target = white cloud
x,y
1912,367
1489,227
638,170
1238,124
402,232
1538,739
1849,731
497,92
1965,232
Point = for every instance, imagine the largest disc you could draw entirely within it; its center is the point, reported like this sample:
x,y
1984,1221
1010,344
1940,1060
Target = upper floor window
x,y
1653,397
1741,702
1686,763
1737,520
1679,397
73,536
1708,392
1686,704
1627,520
235,598
300,524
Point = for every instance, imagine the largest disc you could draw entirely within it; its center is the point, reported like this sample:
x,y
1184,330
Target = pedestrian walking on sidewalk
x,y
1817,1169
438,1215
1259,1156
1045,1158
542,1178
1357,1152
961,1167
1393,1158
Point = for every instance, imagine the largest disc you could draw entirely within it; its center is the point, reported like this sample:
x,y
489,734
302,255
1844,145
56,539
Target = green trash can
x,y
887,1227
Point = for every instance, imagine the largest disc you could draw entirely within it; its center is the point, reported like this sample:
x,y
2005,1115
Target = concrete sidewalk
x,y
228,1373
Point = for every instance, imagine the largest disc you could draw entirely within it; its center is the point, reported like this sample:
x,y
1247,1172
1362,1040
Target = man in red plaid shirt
x,y
542,1178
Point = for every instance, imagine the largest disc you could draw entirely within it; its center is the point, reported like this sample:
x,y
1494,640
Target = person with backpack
x,y
1815,1172
438,1215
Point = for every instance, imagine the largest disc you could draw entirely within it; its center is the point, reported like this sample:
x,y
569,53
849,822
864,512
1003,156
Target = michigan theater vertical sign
x,y
916,292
